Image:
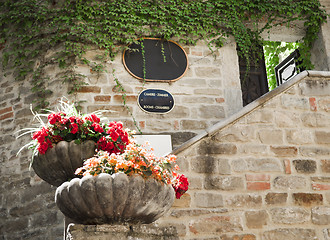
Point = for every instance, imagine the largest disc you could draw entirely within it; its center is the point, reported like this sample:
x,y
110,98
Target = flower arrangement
x,y
116,148
68,124
137,159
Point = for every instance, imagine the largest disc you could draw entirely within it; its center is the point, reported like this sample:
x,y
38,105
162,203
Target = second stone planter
x,y
59,163
116,198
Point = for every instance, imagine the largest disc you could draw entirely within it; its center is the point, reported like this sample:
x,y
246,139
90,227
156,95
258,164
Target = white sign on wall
x,y
161,144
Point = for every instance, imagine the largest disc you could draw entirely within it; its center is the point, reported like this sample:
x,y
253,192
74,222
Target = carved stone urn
x,y
59,163
117,198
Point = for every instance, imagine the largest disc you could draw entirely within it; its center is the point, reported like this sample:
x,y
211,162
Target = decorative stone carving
x,y
59,163
116,198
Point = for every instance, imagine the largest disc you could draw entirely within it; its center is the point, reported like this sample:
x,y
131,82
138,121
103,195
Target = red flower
x,y
93,118
43,146
97,127
74,128
114,136
54,117
40,135
181,186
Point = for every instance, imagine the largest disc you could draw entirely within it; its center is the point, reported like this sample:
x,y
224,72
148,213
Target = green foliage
x,y
273,51
31,27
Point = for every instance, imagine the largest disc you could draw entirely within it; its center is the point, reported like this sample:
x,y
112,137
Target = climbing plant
x,y
31,27
273,51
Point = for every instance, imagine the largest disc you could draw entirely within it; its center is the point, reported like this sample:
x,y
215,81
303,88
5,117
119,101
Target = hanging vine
x,y
31,27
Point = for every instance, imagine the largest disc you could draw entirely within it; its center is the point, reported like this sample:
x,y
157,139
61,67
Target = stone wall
x,y
209,92
265,173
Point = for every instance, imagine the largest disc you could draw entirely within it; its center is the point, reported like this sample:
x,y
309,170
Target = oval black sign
x,y
155,101
162,60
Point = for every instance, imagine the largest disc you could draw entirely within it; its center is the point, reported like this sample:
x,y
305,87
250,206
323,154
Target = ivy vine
x,y
70,27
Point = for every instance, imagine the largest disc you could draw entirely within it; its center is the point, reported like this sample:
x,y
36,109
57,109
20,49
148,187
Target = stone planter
x,y
60,162
116,198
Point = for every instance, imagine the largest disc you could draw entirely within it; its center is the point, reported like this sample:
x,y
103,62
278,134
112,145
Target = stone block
x,y
307,199
257,186
290,182
256,219
211,147
215,225
260,116
102,98
178,112
195,212
287,166
234,97
325,166
287,119
322,137
324,104
321,179
299,136
208,91
289,215
238,237
6,115
321,215
276,198
217,83
210,164
128,99
305,166
253,148
189,99
192,82
44,219
256,165
290,234
193,125
315,120
286,151
270,136
243,200
320,187
30,208
235,133
6,110
208,200
211,111
15,225
312,104
294,102
97,79
224,183
208,72
89,89
134,231
257,177
183,202
312,151
315,87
